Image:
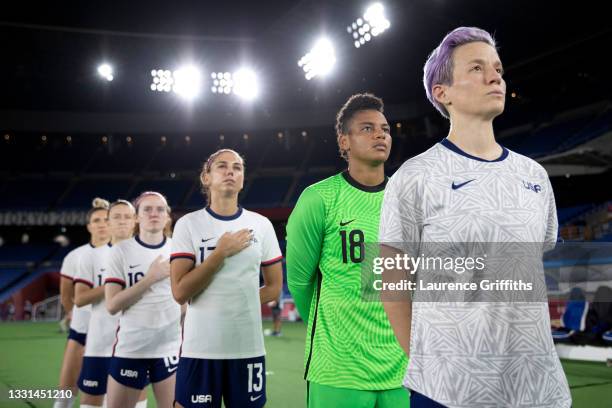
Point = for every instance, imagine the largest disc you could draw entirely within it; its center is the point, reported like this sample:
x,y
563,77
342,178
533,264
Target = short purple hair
x,y
439,66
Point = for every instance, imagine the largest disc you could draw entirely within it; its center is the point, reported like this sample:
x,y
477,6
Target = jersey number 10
x,y
352,247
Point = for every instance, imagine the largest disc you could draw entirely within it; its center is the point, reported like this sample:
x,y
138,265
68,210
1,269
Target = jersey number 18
x,y
352,246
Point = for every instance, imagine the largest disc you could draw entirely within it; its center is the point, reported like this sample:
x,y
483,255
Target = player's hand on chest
x,y
243,244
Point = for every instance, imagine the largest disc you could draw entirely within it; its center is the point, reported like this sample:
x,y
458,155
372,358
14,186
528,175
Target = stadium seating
x,y
174,190
57,174
8,276
31,194
11,254
268,191
82,193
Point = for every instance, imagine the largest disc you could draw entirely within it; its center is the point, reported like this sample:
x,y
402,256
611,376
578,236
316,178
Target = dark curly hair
x,y
354,104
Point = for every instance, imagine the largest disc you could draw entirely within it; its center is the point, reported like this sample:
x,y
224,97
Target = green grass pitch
x,y
31,354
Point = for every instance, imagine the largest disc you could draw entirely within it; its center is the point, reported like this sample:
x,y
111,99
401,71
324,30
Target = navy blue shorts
x,y
94,375
420,401
138,372
80,338
203,383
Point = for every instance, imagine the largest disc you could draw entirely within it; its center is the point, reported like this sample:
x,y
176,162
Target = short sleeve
x,y
271,252
85,270
552,223
182,243
115,270
400,226
68,266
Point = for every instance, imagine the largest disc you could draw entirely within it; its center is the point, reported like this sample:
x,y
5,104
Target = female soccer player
x,y
352,357
217,253
97,227
89,289
137,285
468,188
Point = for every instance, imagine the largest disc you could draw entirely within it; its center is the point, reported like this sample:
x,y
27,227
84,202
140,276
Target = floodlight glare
x,y
245,84
162,80
371,24
105,71
320,60
187,82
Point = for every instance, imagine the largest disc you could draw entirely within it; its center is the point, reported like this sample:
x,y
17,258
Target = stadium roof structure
x,y
592,157
50,53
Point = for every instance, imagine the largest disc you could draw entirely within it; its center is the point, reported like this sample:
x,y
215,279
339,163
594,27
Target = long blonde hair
x,y
96,205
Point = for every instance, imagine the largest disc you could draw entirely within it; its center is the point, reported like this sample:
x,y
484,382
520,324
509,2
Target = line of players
x,y
356,352
142,298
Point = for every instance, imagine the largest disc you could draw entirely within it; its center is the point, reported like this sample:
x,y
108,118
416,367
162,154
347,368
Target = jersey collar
x,y
224,217
161,244
362,187
450,145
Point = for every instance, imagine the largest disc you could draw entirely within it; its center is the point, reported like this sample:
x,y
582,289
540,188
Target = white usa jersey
x,y
477,354
224,321
70,265
102,325
150,328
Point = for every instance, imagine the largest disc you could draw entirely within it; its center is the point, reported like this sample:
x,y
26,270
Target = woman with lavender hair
x,y
468,188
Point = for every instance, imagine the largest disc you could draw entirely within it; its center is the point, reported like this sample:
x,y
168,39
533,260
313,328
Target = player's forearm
x,y
67,303
270,292
198,279
125,298
85,296
399,314
66,294
397,304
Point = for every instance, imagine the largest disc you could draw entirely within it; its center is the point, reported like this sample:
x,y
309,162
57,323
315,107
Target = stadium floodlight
x,y
242,83
187,82
246,85
106,71
370,25
162,80
222,83
320,60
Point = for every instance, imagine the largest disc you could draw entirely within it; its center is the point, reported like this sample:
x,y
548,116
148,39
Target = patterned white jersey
x,y
224,321
478,354
70,264
150,328
102,325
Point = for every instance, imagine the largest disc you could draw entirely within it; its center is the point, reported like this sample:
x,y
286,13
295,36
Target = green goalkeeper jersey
x,y
349,342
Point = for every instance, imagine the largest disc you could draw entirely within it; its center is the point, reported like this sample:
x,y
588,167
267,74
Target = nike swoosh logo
x,y
204,240
102,270
457,186
342,224
133,266
255,398
173,369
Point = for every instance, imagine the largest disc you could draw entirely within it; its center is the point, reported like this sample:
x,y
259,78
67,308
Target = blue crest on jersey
x,y
536,188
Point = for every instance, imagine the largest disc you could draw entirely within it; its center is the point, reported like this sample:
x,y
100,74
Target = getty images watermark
x,y
454,272
459,265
